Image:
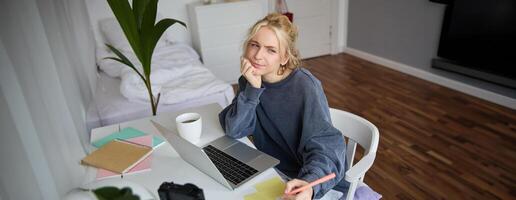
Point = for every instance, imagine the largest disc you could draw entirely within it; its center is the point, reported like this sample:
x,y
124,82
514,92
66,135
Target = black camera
x,y
171,191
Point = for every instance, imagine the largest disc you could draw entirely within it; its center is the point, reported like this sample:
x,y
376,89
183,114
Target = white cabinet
x,y
320,23
313,19
219,30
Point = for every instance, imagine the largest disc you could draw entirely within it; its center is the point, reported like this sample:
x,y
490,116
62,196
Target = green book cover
x,y
156,141
124,134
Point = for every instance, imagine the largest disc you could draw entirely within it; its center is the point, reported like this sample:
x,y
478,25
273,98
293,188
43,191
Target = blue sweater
x,y
290,121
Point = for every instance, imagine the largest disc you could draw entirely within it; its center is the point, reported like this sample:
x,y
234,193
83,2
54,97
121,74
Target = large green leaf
x,y
151,38
162,26
125,17
138,8
148,20
123,59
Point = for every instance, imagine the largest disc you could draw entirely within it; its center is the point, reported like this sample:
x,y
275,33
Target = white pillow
x,y
170,34
113,35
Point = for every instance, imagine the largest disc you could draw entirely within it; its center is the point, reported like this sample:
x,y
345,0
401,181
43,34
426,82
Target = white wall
x,y
342,27
99,9
46,84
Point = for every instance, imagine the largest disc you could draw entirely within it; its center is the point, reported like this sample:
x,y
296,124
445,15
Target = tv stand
x,y
448,65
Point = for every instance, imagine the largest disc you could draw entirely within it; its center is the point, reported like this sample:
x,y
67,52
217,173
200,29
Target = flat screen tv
x,y
478,38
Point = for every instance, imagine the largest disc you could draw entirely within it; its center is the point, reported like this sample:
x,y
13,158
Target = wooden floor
x,y
435,143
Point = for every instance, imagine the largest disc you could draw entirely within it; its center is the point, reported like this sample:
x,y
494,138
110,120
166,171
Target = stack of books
x,y
125,152
118,156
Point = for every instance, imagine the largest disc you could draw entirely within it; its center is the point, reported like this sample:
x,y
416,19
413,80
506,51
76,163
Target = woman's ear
x,y
284,60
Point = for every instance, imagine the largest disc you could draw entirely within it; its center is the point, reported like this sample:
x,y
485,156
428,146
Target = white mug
x,y
189,126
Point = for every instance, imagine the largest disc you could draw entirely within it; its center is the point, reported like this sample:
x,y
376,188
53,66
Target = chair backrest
x,y
357,130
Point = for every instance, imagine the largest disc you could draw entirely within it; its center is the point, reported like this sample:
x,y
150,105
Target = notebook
x,y
143,166
117,156
125,134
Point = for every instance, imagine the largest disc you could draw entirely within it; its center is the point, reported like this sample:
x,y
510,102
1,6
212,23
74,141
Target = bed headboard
x,y
99,9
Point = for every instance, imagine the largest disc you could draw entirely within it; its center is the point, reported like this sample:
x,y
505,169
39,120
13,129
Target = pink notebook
x,y
144,165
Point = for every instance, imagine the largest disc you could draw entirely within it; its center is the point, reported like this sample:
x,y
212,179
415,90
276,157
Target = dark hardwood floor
x,y
435,143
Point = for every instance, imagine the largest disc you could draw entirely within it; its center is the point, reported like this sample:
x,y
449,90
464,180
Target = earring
x,y
282,69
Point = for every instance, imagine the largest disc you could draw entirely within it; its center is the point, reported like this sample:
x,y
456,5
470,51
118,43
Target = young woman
x,y
285,108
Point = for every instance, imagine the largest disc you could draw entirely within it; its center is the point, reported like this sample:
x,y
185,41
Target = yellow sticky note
x,y
272,188
254,196
268,190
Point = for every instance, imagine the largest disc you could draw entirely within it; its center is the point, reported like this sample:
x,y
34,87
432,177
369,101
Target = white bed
x,y
111,103
110,107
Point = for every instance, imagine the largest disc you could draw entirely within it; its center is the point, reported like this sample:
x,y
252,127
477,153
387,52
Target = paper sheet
x,y
269,189
256,196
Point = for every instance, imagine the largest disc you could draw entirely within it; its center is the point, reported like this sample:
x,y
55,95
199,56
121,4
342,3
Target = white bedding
x,y
110,107
177,74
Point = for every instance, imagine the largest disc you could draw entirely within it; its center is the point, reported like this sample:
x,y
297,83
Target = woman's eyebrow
x,y
269,47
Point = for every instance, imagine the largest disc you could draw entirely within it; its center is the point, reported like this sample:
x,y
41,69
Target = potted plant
x,y
103,193
114,193
142,33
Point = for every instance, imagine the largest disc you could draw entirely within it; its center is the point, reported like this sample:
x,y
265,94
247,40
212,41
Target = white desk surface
x,y
168,166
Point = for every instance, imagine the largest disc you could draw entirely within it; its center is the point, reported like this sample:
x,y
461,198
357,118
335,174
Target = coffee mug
x,y
189,126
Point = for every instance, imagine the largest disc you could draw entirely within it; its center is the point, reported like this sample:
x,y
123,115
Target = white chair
x,y
357,130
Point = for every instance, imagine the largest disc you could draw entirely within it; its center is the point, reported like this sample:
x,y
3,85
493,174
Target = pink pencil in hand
x,y
318,181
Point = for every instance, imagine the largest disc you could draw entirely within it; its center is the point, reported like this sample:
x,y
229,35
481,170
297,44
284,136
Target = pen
x,y
318,181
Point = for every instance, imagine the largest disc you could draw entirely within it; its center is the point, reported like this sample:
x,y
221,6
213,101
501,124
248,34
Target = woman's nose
x,y
258,54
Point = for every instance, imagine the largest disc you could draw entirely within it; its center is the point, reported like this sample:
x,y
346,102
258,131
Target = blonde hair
x,y
285,31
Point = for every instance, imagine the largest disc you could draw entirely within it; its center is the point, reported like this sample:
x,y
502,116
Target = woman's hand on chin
x,y
248,71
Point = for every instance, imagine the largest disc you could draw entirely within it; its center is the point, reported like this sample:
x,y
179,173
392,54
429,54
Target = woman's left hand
x,y
303,195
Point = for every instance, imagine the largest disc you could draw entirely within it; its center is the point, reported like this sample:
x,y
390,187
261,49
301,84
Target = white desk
x,y
168,166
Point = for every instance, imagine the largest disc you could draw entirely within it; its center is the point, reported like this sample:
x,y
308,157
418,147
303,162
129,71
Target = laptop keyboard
x,y
232,169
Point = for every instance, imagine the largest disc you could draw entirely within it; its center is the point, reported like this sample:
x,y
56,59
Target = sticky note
x,y
256,196
274,186
268,190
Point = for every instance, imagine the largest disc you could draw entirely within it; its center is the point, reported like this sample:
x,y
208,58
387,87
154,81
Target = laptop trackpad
x,y
242,152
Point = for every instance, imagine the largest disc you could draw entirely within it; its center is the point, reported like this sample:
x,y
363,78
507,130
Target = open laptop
x,y
228,161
